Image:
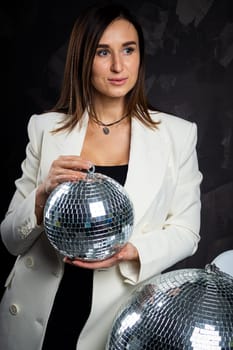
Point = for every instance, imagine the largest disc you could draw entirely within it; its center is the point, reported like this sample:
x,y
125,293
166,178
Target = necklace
x,y
105,129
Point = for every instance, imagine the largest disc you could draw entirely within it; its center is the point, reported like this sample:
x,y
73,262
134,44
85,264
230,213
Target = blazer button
x,y
56,273
23,234
145,228
14,309
29,262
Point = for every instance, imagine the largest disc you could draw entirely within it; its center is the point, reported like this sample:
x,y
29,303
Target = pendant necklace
x,y
105,129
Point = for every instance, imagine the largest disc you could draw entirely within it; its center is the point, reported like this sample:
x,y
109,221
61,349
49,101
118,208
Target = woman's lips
x,y
118,81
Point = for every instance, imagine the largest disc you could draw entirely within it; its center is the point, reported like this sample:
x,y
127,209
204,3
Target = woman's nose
x,y
117,64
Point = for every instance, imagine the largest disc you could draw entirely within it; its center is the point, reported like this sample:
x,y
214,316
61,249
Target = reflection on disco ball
x,y
189,309
90,219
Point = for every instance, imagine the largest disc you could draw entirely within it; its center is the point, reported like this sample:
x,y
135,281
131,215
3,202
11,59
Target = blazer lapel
x,y
72,142
149,154
67,143
62,143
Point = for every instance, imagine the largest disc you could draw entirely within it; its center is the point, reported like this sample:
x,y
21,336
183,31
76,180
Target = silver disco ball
x,y
90,219
187,309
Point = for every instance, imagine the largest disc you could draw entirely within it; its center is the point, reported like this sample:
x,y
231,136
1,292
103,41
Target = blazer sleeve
x,y
19,228
178,236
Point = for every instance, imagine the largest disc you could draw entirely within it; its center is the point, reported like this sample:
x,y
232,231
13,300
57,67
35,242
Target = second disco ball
x,y
90,219
189,309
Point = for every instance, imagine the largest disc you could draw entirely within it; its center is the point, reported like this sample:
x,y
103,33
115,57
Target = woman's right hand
x,y
63,169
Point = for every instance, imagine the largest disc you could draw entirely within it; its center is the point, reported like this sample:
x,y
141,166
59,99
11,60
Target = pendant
x,y
106,130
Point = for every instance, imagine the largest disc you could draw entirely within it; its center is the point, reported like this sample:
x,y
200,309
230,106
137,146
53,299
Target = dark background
x,y
189,53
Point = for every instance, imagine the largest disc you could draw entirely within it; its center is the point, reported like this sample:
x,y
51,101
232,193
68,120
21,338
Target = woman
x,y
101,118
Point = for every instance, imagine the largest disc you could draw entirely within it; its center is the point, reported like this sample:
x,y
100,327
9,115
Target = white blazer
x,y
163,182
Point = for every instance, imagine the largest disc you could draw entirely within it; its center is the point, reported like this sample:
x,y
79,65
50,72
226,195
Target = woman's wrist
x,y
41,196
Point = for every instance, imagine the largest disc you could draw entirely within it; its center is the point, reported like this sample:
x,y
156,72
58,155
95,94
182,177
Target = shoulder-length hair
x,y
77,91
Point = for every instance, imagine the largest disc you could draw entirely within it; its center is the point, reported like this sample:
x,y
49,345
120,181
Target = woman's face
x,y
116,62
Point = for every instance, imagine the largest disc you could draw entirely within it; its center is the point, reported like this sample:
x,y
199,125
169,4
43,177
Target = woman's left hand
x,y
127,253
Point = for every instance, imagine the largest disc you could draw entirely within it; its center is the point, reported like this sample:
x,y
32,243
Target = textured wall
x,y
189,52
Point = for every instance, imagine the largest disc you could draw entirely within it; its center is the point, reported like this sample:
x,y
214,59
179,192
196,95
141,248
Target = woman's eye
x,y
129,50
102,52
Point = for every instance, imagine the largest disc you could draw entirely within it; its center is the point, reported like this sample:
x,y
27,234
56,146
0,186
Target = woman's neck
x,y
109,110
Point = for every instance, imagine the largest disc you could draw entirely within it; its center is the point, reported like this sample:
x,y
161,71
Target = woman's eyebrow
x,y
129,43
105,46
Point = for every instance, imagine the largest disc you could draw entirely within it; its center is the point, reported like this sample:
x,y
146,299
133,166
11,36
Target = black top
x,y
72,303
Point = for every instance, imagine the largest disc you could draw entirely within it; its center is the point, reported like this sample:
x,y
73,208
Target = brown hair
x,y
77,91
